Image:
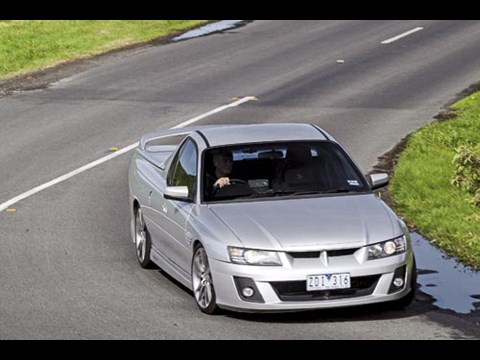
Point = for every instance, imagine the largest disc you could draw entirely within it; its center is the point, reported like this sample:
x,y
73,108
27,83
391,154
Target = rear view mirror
x,y
270,155
378,181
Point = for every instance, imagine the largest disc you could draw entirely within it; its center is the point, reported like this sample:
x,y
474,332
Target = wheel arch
x,y
196,244
133,212
135,204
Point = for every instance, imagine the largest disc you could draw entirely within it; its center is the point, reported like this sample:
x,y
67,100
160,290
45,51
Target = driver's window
x,y
183,171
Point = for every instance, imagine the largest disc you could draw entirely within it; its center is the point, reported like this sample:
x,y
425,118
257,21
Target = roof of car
x,y
224,135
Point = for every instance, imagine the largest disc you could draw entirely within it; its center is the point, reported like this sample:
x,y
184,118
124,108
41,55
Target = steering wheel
x,y
238,181
232,182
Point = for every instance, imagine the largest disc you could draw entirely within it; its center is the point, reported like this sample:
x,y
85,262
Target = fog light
x,y
398,282
248,292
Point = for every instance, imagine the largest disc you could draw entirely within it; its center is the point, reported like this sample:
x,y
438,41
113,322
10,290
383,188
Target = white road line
x,y
395,38
65,177
98,162
214,111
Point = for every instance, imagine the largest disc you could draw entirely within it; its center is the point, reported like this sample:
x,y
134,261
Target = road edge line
x,y
4,206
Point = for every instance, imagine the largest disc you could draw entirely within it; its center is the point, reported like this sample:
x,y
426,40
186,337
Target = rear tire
x,y
143,244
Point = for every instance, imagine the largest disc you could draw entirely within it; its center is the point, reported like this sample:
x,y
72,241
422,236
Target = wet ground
x,y
211,28
452,285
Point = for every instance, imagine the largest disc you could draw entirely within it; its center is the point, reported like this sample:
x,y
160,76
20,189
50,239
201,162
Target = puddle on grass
x,y
453,285
210,28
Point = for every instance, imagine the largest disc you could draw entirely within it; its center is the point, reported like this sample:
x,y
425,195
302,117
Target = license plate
x,y
328,282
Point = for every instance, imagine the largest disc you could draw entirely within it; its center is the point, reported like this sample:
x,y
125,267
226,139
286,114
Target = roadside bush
x,y
467,171
422,188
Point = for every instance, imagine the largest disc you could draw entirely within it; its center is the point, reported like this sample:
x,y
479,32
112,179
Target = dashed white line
x,y
398,37
126,149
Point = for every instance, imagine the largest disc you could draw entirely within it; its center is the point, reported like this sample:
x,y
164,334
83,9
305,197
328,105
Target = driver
x,y
223,163
220,176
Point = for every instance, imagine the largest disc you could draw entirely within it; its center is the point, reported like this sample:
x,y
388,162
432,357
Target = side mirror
x,y
179,193
378,181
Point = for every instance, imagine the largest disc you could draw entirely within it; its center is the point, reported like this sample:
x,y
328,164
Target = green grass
x,y
422,190
27,45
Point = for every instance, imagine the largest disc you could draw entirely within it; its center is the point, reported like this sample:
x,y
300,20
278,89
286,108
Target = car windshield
x,y
256,171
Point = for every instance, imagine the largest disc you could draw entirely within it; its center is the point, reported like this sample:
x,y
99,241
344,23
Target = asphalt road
x,y
67,266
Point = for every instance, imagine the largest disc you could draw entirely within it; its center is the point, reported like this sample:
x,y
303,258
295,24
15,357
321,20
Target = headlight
x,y
387,248
254,257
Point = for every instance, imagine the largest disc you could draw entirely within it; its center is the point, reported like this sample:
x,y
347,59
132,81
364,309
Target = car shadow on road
x,y
362,313
421,304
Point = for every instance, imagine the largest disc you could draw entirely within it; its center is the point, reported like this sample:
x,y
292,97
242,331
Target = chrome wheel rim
x,y
202,279
140,236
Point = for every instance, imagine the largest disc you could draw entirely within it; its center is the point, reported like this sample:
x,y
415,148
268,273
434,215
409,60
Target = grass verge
x,y
29,45
422,189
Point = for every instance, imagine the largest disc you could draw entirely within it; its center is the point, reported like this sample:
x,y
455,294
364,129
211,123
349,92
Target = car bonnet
x,y
310,223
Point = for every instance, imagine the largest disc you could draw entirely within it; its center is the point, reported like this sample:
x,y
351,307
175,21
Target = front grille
x,y
305,255
296,290
343,252
316,254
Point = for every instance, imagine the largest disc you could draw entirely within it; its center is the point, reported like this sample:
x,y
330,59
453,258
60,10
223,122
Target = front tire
x,y
202,282
143,244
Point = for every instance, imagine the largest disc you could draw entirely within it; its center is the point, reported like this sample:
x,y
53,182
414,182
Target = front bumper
x,y
278,286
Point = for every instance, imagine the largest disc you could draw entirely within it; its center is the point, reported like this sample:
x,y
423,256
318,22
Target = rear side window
x,y
183,171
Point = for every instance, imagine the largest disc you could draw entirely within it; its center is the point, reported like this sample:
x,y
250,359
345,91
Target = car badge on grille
x,y
324,258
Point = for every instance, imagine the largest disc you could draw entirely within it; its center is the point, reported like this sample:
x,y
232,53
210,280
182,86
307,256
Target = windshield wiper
x,y
297,193
317,192
271,193
337,191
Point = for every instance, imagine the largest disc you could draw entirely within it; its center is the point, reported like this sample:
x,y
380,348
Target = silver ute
x,y
271,217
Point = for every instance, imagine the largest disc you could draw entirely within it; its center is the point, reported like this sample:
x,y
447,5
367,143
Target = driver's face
x,y
223,163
